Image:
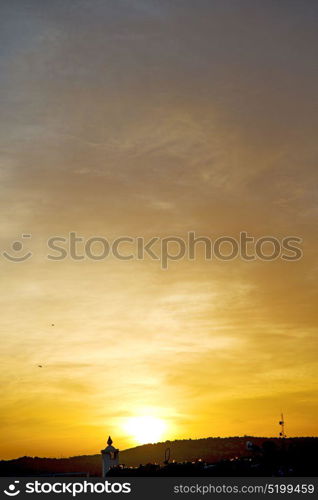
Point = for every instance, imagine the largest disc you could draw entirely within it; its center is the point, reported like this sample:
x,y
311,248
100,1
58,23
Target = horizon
x,y
245,436
131,121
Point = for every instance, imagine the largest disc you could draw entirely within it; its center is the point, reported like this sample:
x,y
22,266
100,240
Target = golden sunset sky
x,y
155,118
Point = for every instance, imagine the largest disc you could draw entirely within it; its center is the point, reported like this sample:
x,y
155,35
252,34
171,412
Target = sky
x,y
156,118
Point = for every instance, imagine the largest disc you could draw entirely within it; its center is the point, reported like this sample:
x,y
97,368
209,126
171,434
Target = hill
x,y
301,453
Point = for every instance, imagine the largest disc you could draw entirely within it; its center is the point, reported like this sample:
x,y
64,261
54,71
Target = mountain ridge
x,y
210,449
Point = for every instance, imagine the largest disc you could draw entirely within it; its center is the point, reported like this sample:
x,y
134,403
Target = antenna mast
x,y
282,427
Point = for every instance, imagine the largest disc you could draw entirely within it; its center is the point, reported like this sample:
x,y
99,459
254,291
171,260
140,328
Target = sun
x,y
145,429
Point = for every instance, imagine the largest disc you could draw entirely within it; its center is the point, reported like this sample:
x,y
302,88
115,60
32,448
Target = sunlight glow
x,y
145,429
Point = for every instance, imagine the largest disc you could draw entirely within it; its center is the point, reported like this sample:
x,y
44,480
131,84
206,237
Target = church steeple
x,y
110,456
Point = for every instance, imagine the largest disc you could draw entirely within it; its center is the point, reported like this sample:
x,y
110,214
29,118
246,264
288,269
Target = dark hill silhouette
x,y
300,453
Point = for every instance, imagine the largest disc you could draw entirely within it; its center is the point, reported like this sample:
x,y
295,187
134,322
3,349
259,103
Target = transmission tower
x,y
282,427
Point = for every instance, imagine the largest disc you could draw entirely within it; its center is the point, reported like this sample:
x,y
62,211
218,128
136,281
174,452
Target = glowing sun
x,y
145,429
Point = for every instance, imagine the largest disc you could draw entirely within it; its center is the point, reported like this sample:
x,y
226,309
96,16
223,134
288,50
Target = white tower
x,y
110,456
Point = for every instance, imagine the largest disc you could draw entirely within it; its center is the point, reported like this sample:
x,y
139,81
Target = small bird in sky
x,y
40,366
52,324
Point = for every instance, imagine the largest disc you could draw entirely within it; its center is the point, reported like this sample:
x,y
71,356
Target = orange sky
x,y
153,119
